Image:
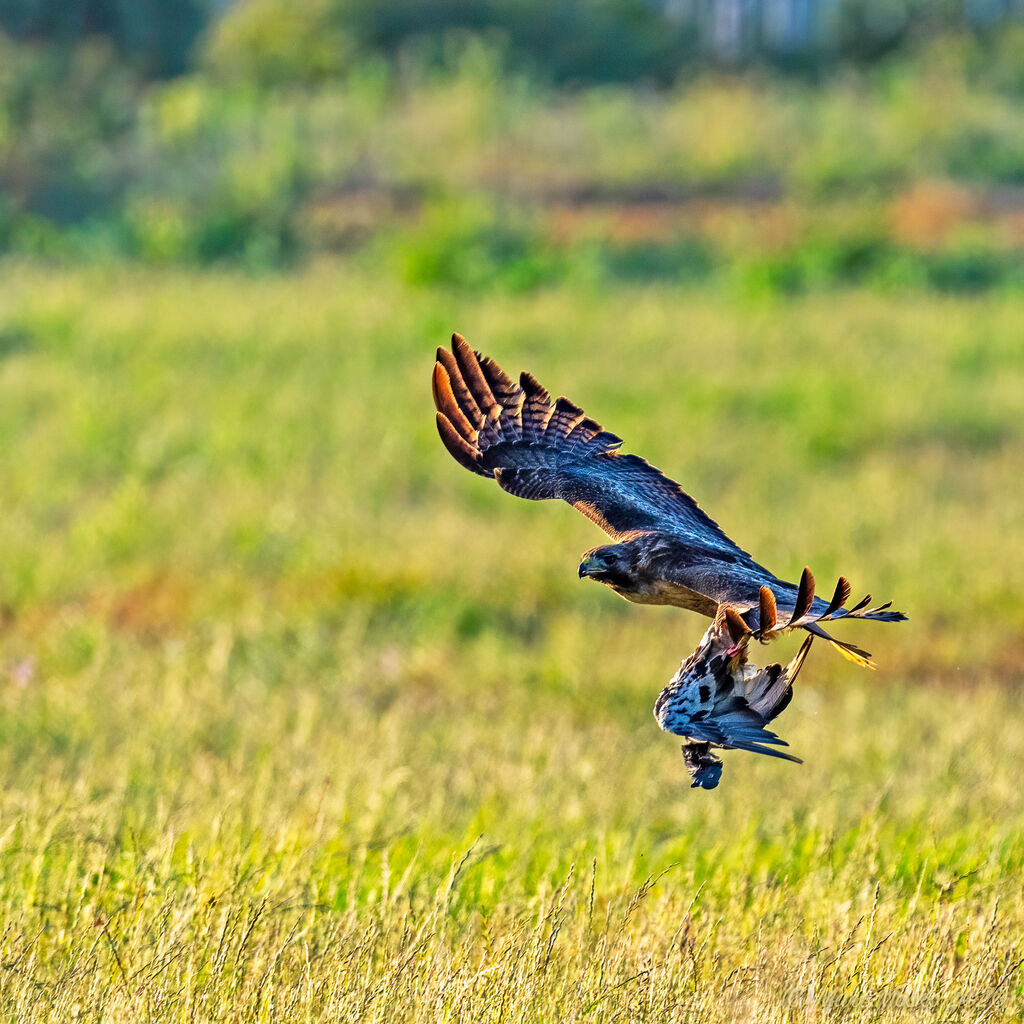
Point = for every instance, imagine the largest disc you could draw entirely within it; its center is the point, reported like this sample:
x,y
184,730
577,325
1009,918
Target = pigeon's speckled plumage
x,y
718,699
665,549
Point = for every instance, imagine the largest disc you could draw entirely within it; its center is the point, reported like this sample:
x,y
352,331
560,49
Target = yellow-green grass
x,y
300,721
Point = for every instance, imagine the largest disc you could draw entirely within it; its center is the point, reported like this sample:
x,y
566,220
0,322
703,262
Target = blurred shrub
x,y
683,261
987,62
265,42
63,116
817,262
479,245
154,36
971,263
850,144
221,179
989,149
557,40
588,41
474,244
725,129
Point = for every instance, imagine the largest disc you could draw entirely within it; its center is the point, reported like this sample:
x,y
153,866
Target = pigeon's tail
x,y
771,688
808,612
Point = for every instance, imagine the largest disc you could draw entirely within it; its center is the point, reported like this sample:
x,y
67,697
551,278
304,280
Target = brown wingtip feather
x,y
462,348
447,360
473,376
768,611
446,402
436,384
459,449
533,387
463,396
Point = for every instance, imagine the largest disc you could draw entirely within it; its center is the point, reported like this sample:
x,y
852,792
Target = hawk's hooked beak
x,y
588,567
584,571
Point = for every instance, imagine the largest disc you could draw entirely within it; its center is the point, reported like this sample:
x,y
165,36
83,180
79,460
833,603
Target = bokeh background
x,y
298,720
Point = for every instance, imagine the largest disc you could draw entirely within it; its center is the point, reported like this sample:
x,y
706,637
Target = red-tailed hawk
x,y
665,550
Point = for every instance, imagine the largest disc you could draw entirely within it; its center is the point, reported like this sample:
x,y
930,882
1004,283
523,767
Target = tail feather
x,y
835,611
804,597
738,629
883,616
773,689
768,611
847,650
854,654
839,598
808,612
760,748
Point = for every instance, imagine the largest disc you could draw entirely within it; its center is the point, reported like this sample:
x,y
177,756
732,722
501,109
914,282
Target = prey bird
x,y
716,699
665,549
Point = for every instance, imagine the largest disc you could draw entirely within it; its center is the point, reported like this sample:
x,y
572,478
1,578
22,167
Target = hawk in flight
x,y
665,550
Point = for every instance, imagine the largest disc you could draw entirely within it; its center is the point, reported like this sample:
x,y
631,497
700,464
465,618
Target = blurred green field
x,y
300,721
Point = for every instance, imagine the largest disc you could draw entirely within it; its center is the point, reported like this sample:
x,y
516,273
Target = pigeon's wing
x,y
709,698
537,448
740,729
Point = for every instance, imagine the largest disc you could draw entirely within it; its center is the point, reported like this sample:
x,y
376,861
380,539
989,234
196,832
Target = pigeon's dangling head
x,y
704,767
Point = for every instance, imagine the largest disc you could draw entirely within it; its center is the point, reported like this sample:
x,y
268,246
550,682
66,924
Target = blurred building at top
x,y
733,30
564,40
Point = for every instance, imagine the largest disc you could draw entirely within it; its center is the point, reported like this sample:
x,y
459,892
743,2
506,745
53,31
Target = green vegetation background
x,y
302,722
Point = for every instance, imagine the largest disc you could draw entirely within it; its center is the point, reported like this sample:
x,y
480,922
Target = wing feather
x,y
464,397
463,452
740,730
565,416
446,403
537,409
469,368
537,449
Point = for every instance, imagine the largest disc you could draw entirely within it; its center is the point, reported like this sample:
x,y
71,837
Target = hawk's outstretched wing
x,y
537,449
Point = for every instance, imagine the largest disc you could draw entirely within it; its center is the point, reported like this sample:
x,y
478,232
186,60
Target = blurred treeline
x,y
510,143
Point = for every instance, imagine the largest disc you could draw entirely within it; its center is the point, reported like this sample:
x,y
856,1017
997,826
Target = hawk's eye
x,y
609,558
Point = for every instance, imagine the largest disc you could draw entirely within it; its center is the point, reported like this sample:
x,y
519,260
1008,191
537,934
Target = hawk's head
x,y
614,564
